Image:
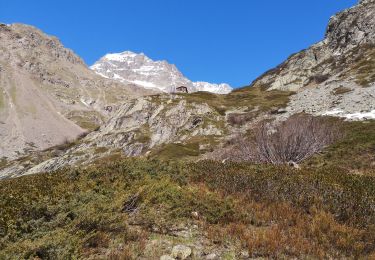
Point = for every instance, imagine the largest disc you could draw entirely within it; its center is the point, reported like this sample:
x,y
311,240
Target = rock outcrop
x,y
156,121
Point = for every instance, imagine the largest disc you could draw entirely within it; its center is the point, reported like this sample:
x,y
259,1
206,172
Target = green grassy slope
x,y
269,211
354,153
250,97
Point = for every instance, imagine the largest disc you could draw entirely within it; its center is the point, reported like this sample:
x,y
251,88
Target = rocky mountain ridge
x,y
47,93
348,37
129,67
335,76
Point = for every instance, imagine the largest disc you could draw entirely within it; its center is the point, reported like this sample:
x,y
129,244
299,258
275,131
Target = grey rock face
x,y
132,68
351,28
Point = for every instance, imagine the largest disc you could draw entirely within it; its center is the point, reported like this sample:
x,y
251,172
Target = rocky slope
x,y
164,126
129,67
47,93
138,126
335,76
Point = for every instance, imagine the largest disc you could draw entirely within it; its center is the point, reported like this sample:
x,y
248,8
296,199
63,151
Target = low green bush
x,y
82,212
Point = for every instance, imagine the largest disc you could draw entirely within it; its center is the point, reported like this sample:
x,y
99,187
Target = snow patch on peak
x,y
130,67
123,56
222,88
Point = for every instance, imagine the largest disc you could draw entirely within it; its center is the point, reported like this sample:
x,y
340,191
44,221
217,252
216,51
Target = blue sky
x,y
230,41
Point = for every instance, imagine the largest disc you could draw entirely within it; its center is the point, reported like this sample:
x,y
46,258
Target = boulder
x,y
181,252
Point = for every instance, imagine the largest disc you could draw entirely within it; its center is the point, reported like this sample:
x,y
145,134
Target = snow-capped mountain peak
x,y
133,68
222,88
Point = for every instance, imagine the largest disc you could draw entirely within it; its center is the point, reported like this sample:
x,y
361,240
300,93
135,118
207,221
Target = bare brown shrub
x,y
293,140
236,119
240,119
282,231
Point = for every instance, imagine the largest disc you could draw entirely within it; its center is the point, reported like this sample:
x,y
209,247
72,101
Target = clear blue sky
x,y
230,41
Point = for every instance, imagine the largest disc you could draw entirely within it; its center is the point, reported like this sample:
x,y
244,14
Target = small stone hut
x,y
182,89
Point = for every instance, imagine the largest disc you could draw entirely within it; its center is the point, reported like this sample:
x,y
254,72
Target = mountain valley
x,y
111,161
